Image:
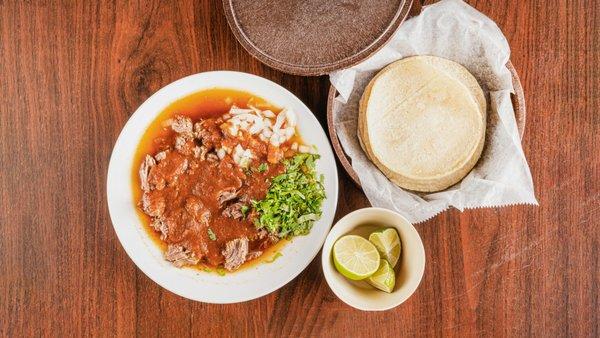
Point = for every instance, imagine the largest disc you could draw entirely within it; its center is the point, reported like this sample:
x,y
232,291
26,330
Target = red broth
x,y
206,104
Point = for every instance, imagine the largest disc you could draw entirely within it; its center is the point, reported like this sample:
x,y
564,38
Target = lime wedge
x,y
355,257
388,244
384,278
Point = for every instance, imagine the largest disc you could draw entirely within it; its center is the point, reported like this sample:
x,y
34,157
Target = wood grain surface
x,y
72,72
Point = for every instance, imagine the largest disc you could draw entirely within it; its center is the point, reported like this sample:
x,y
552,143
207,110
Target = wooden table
x,y
71,74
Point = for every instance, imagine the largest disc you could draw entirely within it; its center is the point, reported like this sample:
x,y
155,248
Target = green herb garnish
x,y
275,256
220,271
262,168
293,202
244,209
211,235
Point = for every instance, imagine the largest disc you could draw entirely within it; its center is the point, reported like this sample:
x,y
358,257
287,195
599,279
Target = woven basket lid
x,y
314,37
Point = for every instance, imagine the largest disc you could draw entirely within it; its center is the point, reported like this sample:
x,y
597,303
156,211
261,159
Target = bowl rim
x,y
152,106
347,226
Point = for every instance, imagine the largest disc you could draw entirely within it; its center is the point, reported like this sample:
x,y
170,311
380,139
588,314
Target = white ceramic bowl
x,y
409,269
243,285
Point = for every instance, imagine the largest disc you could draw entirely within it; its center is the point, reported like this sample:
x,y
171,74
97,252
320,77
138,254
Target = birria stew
x,y
221,176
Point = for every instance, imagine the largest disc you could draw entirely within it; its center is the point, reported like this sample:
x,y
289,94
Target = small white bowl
x,y
409,269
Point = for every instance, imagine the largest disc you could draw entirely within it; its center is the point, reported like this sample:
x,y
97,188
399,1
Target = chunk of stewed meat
x,y
262,233
148,163
200,152
226,195
235,253
159,224
266,240
210,135
183,125
153,203
180,224
180,256
184,145
198,130
273,238
245,199
161,155
253,255
197,209
275,154
167,170
212,157
182,168
234,211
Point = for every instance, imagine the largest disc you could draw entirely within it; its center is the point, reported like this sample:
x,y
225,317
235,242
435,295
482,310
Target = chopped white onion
x,y
247,117
244,162
268,113
233,130
289,132
290,117
256,110
279,121
257,127
274,139
237,111
268,126
267,132
242,156
238,149
221,153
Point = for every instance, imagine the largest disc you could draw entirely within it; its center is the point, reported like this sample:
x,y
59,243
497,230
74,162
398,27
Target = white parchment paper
x,y
450,29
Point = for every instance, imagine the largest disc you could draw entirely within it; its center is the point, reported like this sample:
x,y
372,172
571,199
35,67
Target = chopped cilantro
x,y
275,256
220,271
211,235
262,167
244,210
293,202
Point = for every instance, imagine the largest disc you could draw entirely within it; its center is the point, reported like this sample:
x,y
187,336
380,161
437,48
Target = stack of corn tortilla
x,y
422,122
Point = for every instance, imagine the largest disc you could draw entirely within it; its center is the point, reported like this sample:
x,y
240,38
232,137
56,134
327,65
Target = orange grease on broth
x,y
202,104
